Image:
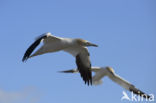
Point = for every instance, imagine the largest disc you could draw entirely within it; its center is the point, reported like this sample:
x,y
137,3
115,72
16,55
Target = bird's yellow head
x,y
84,43
110,69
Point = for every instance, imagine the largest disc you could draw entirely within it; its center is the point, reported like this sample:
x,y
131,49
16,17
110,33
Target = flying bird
x,y
76,47
101,72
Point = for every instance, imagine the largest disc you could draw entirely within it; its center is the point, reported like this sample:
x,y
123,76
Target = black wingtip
x,y
139,92
25,58
85,72
32,47
87,76
63,72
68,71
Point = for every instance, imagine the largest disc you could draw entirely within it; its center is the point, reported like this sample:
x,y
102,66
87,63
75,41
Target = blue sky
x,y
125,31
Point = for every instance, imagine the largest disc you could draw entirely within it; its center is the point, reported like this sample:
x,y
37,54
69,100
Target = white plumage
x,y
76,47
101,72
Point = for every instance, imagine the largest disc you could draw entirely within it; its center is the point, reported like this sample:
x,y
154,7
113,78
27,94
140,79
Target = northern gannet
x,y
101,72
76,47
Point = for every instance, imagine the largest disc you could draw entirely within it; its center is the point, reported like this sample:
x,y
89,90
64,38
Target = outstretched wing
x,y
70,71
83,62
32,47
84,66
138,92
51,43
125,84
99,74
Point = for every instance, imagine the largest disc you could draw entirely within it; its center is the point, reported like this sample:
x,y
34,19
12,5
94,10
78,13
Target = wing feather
x,y
85,70
83,62
70,71
125,84
32,47
138,92
51,44
99,74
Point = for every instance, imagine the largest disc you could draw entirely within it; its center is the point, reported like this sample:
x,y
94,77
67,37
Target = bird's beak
x,y
91,44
